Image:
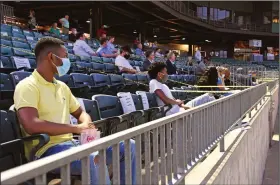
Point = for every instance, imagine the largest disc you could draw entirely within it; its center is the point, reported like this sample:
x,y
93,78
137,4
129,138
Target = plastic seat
x,y
131,63
74,58
142,80
5,51
37,35
110,107
107,60
17,76
70,51
139,106
101,83
96,59
84,65
6,27
18,39
6,91
7,63
23,53
33,63
110,68
98,67
85,59
6,42
18,35
28,33
116,82
130,82
21,45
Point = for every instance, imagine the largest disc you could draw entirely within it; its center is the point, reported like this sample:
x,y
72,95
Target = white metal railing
x,y
6,11
178,143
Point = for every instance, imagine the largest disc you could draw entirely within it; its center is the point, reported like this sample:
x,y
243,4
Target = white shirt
x,y
197,55
81,48
154,85
121,61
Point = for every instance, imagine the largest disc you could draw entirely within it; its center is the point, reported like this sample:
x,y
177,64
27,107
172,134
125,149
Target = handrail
x,y
194,133
179,5
6,11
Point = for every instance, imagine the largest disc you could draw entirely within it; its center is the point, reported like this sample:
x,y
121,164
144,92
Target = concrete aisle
x,y
271,174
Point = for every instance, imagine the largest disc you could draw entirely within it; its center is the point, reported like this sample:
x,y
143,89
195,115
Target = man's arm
x,y
31,123
88,49
109,55
126,70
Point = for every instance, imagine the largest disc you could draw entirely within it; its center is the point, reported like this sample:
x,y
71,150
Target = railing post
x,y
222,130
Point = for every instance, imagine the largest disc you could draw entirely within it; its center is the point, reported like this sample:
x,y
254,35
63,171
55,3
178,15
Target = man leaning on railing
x,y
44,105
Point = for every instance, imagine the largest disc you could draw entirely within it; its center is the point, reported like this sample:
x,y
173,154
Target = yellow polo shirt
x,y
54,102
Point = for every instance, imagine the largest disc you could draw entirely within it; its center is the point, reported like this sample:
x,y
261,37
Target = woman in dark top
x,y
150,56
170,63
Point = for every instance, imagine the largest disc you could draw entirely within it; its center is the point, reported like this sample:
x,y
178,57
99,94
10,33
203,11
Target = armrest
x,y
43,140
169,106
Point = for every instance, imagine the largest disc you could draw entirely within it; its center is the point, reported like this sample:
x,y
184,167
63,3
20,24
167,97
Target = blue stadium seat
x,y
32,45
101,83
96,59
6,27
84,65
33,63
6,42
7,63
98,67
110,107
28,33
117,82
130,82
107,60
18,35
6,92
6,51
6,83
23,53
139,106
131,63
18,39
37,35
110,68
17,76
84,58
21,45
70,51
143,79
74,58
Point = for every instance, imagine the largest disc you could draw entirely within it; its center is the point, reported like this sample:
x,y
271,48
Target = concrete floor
x,y
271,174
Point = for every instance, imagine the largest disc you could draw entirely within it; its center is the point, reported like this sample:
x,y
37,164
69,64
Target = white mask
x,y
223,75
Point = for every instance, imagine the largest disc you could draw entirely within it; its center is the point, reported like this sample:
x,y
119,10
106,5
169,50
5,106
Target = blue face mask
x,y
63,70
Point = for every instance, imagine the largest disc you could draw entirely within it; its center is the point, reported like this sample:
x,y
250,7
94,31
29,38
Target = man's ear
x,y
50,56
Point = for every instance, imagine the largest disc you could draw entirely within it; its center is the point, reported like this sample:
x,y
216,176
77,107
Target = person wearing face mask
x,y
81,48
44,105
122,61
170,63
150,56
158,75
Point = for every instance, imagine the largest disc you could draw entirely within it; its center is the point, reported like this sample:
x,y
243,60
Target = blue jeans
x,y
76,166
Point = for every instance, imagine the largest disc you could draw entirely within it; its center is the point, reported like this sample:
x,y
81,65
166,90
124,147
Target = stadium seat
x,y
110,68
18,35
23,53
33,63
84,65
85,59
107,60
130,82
18,39
7,63
98,67
6,42
101,83
110,107
6,27
142,79
138,105
70,51
5,51
74,58
116,82
17,76
21,45
28,33
131,63
96,59
37,35
32,45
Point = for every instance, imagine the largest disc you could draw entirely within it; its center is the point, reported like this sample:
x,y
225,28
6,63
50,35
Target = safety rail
x,y
6,11
180,7
180,141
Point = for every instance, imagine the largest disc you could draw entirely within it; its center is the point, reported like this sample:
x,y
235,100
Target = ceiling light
x,y
88,21
155,36
134,31
183,38
208,41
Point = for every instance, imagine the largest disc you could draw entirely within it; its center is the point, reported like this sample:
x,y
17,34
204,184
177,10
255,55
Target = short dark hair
x,y
79,35
103,40
155,68
125,49
148,53
45,44
157,49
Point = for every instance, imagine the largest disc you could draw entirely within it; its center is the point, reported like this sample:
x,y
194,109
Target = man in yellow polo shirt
x,y
44,105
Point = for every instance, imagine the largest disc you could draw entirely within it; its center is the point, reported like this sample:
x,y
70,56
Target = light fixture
x,y
88,21
208,41
155,36
184,38
134,31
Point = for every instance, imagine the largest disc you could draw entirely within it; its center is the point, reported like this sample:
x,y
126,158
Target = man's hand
x,y
185,107
179,102
83,126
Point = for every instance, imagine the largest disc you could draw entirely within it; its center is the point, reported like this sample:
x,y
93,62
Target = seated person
x,y
158,53
201,67
110,44
103,51
158,75
122,61
55,30
44,105
150,56
220,80
138,50
73,35
81,48
170,63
